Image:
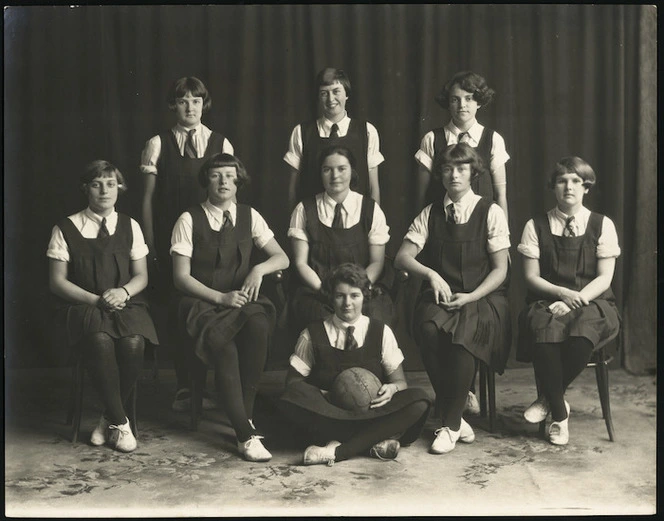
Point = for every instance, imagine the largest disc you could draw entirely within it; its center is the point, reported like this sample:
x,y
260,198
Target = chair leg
x,y
197,384
483,390
78,400
602,376
542,424
491,384
72,396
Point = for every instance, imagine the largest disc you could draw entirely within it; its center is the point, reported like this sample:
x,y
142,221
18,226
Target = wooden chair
x,y
600,361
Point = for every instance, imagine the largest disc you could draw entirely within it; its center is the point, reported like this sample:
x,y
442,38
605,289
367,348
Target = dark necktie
x,y
334,131
569,228
451,215
103,231
228,224
189,148
350,343
336,222
462,137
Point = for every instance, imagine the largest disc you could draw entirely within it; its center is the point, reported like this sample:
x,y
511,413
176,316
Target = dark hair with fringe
x,y
101,168
192,85
457,154
573,165
219,161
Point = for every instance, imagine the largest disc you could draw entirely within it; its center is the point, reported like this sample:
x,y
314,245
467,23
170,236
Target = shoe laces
x,y
123,430
253,439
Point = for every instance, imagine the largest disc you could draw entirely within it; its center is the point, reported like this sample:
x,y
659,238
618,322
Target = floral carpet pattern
x,y
177,472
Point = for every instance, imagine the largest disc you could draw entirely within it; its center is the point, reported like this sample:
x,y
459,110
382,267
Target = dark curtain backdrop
x,y
90,82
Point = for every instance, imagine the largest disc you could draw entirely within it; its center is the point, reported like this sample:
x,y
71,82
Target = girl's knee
x,y
429,332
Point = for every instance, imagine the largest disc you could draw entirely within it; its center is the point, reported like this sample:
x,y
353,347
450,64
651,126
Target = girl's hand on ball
x,y
385,394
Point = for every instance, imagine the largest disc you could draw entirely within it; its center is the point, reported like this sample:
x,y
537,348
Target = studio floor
x,y
176,472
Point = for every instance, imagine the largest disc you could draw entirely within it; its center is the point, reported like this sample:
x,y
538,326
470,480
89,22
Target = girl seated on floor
x,y
98,268
221,307
569,257
343,340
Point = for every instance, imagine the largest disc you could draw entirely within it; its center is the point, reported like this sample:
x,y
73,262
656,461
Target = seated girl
x,y
459,247
569,257
336,226
98,268
326,348
221,307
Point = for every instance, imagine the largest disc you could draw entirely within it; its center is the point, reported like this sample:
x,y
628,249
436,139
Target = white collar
x,y
344,325
217,212
562,215
327,124
185,130
464,201
475,130
331,202
97,218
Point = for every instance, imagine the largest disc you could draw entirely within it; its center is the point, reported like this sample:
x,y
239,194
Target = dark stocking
x,y
458,370
102,366
129,355
380,429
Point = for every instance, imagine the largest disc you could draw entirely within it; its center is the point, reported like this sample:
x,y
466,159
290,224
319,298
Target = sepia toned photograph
x,y
330,260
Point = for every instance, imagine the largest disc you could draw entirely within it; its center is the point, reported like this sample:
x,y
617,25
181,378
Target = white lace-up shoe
x,y
445,440
121,438
314,455
539,410
559,432
253,449
466,433
472,404
100,433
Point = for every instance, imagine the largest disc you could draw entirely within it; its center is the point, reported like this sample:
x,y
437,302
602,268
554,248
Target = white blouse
x,y
182,236
302,359
607,244
498,229
351,212
88,223
499,155
152,150
294,154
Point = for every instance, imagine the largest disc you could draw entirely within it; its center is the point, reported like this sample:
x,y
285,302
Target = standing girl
x,y
463,96
569,260
170,162
98,268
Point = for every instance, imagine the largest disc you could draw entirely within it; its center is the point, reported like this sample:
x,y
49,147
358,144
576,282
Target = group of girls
x,y
199,241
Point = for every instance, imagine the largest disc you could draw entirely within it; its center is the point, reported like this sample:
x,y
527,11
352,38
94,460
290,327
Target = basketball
x,y
354,388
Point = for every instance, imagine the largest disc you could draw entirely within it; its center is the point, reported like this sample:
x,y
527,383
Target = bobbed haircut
x,y
101,168
573,165
352,274
470,82
330,75
342,151
458,154
190,84
218,161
